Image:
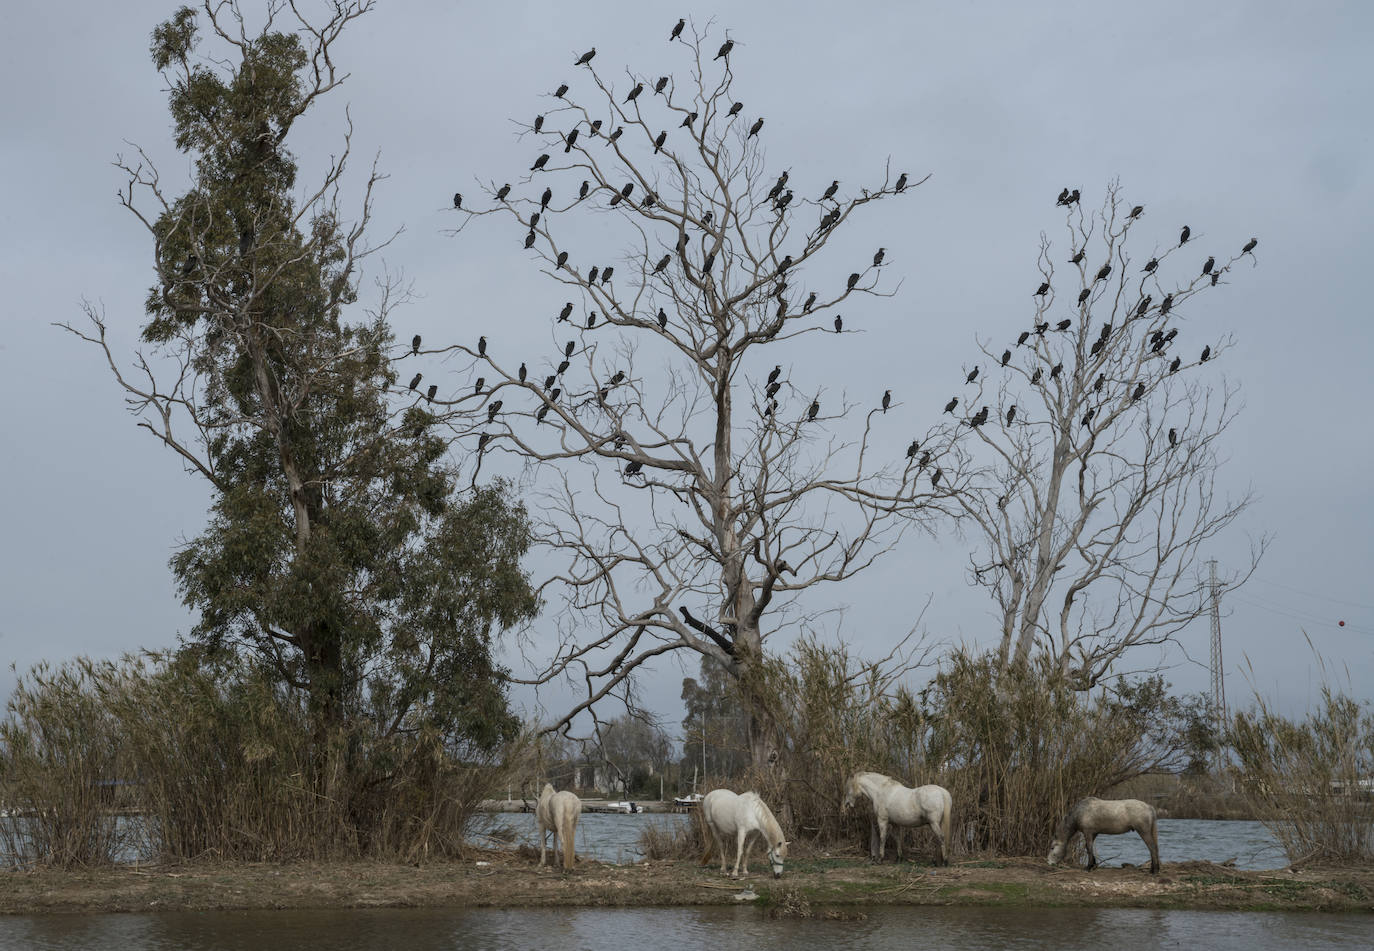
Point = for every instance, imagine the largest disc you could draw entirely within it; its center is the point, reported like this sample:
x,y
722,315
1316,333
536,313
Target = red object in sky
x,y
1341,623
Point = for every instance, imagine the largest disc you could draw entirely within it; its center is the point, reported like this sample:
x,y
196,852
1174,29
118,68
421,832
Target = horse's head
x,y
851,793
776,854
1056,851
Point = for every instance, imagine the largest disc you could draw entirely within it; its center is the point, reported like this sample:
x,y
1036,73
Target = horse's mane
x,y
856,781
1072,820
768,823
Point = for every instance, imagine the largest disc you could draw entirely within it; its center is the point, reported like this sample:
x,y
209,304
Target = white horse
x,y
1094,817
898,805
557,812
727,814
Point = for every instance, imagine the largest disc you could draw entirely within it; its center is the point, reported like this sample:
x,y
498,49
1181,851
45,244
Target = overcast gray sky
x,y
1239,119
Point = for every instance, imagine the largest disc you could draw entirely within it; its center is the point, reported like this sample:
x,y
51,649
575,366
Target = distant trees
x,y
704,483
715,729
340,551
1099,433
635,751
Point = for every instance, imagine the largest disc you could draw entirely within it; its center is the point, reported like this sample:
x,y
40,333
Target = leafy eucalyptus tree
x,y
340,548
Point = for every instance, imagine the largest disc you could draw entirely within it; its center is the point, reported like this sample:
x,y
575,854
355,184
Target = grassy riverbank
x,y
505,879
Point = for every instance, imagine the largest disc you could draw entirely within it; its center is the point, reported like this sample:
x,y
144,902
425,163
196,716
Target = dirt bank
x,y
506,879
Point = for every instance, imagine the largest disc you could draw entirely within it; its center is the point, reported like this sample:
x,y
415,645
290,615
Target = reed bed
x,y
215,760
660,841
1310,781
1014,747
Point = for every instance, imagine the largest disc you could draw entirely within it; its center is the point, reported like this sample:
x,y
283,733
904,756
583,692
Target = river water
x,y
684,929
615,838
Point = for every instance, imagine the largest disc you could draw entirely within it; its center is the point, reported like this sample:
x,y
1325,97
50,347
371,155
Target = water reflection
x,y
683,929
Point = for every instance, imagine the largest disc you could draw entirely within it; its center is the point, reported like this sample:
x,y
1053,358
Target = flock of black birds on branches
x,y
781,197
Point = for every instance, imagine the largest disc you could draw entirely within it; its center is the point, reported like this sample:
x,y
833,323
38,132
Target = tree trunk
x,y
1044,556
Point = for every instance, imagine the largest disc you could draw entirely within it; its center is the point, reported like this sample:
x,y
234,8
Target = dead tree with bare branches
x,y
1099,459
704,485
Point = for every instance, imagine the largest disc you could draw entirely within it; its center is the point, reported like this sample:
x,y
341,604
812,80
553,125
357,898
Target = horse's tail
x,y
945,842
707,834
568,835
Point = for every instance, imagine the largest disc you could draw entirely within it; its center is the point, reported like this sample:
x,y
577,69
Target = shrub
x,y
1309,781
223,763
1014,747
60,757
677,840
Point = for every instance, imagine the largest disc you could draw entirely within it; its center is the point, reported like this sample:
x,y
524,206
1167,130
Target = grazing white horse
x,y
727,814
898,805
557,812
1092,817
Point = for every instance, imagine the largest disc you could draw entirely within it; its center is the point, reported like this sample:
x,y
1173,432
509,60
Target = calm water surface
x,y
615,838
673,929
1197,840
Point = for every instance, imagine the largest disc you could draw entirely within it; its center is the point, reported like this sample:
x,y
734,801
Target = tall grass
x,y
59,751
1014,747
676,840
222,763
1307,780
1017,747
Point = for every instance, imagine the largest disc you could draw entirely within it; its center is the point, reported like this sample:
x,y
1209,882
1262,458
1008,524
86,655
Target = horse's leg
x,y
1088,845
873,838
882,837
740,836
543,842
724,855
748,847
1152,841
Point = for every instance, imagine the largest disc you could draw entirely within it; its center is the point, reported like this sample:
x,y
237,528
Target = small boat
x,y
624,807
688,802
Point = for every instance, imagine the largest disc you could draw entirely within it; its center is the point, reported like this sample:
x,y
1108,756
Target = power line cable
x,y
1313,594
1306,618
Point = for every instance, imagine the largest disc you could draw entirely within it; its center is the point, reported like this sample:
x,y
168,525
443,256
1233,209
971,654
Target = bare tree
x,y
710,484
1104,443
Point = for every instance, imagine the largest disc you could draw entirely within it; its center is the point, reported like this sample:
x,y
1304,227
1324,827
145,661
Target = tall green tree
x,y
339,547
715,729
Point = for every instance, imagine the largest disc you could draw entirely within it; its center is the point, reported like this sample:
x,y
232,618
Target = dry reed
x,y
218,760
1311,781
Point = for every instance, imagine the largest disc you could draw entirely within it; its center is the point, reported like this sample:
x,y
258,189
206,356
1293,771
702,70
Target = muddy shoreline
x,y
511,880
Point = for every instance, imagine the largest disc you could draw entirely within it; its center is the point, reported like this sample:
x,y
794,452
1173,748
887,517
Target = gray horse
x,y
1094,817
